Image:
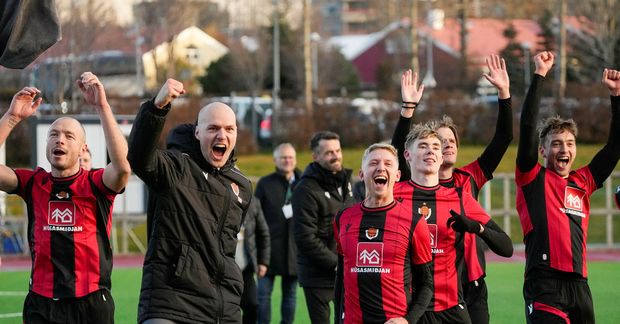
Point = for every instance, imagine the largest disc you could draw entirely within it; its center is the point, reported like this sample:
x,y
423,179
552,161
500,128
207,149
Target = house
x,y
192,51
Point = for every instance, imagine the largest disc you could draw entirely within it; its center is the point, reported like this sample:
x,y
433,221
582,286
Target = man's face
x,y
424,156
380,172
217,133
86,162
65,142
559,151
286,159
448,147
329,155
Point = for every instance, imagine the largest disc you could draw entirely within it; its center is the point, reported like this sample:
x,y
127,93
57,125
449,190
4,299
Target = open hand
x,y
409,88
498,75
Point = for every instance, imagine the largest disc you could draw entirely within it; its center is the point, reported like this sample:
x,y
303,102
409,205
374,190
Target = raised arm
x,y
494,152
527,153
411,94
116,174
147,129
22,106
606,159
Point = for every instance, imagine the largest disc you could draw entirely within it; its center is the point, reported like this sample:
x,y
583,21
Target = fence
x,y
497,197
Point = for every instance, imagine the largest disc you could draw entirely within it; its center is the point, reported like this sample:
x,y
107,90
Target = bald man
x,y
190,274
69,212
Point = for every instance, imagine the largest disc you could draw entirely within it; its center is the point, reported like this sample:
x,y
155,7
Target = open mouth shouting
x,y
563,161
380,181
219,151
57,152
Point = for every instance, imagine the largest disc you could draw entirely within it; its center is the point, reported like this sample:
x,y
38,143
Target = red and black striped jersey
x,y
471,178
434,204
69,224
379,247
554,214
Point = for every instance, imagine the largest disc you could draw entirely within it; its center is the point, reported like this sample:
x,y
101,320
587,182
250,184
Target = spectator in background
x,y
323,190
86,159
274,192
252,257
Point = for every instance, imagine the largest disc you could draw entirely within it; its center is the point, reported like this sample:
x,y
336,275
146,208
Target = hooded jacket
x,y
189,274
316,200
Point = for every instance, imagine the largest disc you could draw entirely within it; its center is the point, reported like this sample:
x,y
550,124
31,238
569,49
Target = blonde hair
x,y
379,146
447,122
421,131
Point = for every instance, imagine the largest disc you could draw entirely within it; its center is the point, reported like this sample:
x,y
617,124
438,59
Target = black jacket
x,y
271,191
256,242
189,274
315,203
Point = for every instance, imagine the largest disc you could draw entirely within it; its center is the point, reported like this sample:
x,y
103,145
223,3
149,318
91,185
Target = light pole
x,y
526,65
315,38
429,79
275,97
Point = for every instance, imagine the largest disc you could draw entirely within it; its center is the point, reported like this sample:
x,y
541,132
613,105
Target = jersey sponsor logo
x,y
61,213
573,198
432,228
369,254
372,233
425,211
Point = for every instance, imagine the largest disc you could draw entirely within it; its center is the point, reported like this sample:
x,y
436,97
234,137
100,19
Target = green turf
x,y
505,281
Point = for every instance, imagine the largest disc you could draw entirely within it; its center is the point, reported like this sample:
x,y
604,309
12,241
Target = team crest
x,y
62,195
425,211
574,198
372,233
61,213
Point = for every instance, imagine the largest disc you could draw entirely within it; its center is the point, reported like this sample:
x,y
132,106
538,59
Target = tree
x,y
513,55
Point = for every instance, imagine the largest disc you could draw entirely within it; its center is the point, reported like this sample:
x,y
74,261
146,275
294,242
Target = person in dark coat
x,y
324,189
189,273
274,192
252,257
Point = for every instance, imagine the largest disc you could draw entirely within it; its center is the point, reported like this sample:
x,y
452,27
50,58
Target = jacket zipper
x,y
220,228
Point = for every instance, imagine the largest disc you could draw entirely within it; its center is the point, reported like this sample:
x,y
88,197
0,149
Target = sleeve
x,y
146,161
97,177
476,172
473,210
263,241
23,176
527,152
497,240
494,152
423,290
305,228
421,267
398,141
604,162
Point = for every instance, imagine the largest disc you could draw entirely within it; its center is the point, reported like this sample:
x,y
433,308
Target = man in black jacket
x,y
324,189
189,273
274,192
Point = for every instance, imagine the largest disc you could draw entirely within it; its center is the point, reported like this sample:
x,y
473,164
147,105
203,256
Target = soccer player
x,y
383,248
449,213
553,202
471,177
69,213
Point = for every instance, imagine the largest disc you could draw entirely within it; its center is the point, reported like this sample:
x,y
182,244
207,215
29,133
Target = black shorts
x,y
551,301
476,295
455,315
97,307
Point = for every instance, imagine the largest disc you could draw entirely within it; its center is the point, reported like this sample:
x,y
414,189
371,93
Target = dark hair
x,y
447,122
322,135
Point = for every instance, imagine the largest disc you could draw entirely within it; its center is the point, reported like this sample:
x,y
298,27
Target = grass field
x,y
504,282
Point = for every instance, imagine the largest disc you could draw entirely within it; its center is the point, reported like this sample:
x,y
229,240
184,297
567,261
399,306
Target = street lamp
x,y
434,22
315,38
525,46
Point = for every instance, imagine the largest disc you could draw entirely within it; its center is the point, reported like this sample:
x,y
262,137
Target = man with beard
x,y
553,202
189,273
384,250
323,190
69,213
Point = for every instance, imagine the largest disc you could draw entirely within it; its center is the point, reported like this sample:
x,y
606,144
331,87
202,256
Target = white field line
x,y
13,293
10,315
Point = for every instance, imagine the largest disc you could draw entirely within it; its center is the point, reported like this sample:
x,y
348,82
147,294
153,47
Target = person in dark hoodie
x,y
189,273
323,190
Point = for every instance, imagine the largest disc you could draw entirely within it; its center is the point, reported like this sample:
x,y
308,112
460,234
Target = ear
x,y
314,156
196,133
398,174
361,174
541,149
